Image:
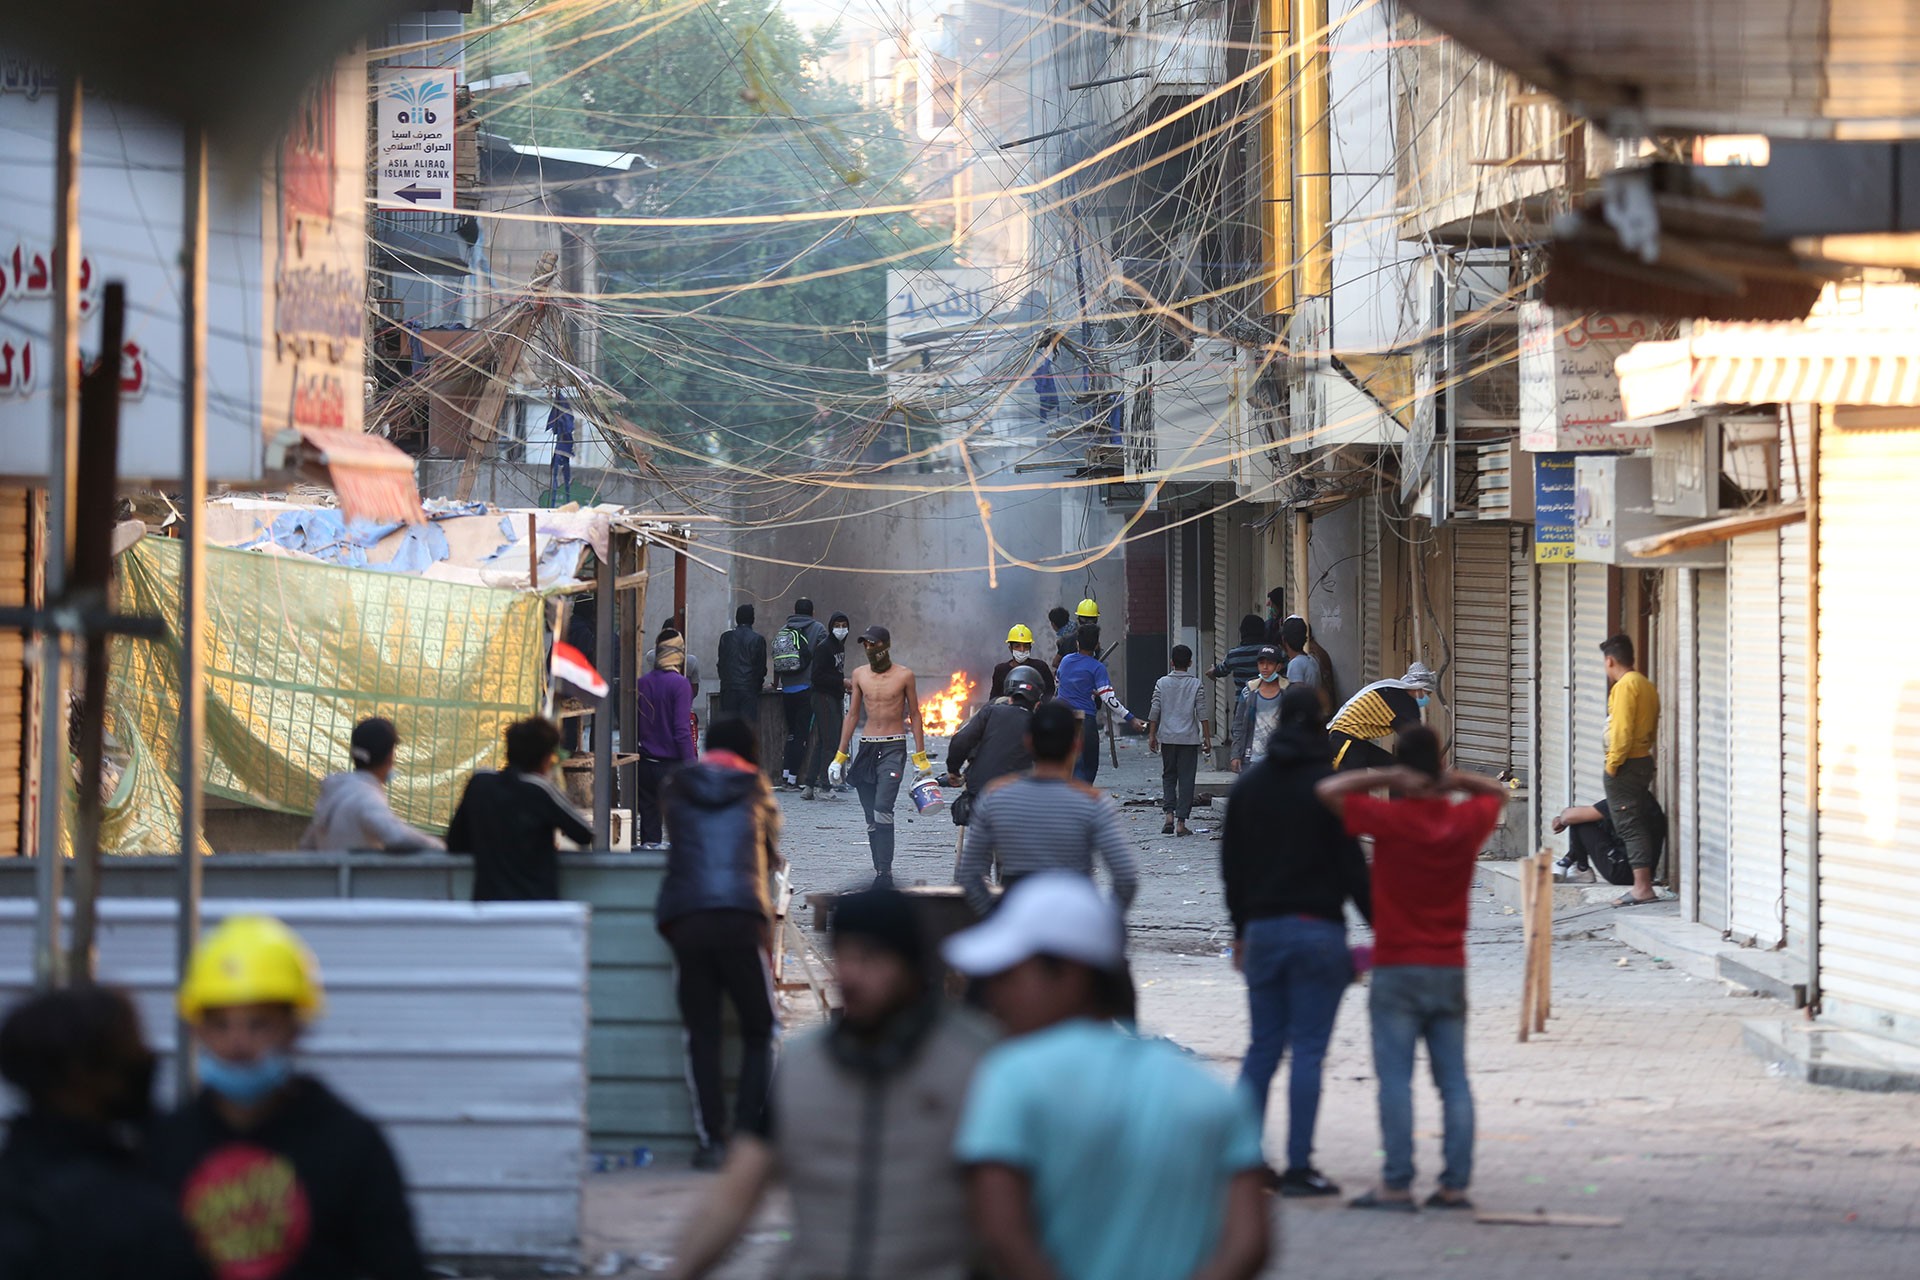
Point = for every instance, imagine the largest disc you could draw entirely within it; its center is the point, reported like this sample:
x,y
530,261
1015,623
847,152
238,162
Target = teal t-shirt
x,y
1129,1144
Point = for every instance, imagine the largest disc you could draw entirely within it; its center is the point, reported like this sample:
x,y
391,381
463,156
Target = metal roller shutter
x,y
1220,623
1520,663
1793,730
1553,694
16,518
1482,661
1869,728
1592,623
1754,867
1710,755
1683,704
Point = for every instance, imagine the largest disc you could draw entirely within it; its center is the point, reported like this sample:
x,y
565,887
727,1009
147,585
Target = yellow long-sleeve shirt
x,y
1633,714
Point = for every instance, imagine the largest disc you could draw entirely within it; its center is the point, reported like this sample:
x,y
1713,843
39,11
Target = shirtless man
x,y
886,692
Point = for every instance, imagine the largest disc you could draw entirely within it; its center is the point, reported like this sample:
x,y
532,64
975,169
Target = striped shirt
x,y
1044,824
1378,710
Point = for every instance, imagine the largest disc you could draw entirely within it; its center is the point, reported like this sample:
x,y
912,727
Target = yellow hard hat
x,y
251,960
1088,609
1020,634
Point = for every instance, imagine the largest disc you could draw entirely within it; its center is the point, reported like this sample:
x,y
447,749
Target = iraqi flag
x,y
571,665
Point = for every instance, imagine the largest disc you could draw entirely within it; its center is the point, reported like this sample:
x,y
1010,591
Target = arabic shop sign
x,y
1553,503
1569,396
413,138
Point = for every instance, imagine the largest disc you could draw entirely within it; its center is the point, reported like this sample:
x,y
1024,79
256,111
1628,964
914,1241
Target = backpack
x,y
791,652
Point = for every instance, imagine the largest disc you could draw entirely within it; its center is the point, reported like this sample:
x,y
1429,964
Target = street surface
x,y
1639,1103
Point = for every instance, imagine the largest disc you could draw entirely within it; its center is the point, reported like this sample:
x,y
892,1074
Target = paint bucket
x,y
926,796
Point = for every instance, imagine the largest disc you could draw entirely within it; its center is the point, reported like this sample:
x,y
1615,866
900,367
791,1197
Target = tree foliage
x,y
749,340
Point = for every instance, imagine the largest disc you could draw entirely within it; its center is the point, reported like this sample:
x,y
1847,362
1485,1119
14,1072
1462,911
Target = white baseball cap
x,y
1049,913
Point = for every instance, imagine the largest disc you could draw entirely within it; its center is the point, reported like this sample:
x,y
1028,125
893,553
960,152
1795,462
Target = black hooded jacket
x,y
723,833
1283,853
75,1204
991,745
830,661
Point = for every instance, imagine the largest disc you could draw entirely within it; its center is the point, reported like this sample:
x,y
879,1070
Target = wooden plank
x,y
1527,889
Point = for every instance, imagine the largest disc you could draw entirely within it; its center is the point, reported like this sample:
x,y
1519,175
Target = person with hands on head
x,y
1428,833
884,691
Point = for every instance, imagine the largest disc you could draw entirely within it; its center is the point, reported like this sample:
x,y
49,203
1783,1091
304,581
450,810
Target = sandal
x,y
1628,900
1439,1200
1374,1200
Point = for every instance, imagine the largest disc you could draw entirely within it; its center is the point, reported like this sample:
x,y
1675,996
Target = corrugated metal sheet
x,y
1553,699
1711,751
1756,856
462,1029
637,1091
1683,704
1222,621
1869,726
1592,623
1481,673
1793,731
1520,660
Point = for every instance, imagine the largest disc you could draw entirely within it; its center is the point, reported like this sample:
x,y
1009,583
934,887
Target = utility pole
x,y
193,581
61,463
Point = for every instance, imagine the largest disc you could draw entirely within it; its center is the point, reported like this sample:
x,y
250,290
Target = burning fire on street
x,y
942,714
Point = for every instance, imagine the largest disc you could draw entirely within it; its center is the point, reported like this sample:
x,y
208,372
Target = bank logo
x,y
417,98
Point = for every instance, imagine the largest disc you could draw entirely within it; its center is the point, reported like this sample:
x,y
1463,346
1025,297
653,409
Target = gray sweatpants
x,y
875,775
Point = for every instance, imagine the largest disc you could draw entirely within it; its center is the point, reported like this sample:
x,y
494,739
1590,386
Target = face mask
x,y
244,1083
1269,677
1422,700
839,633
1020,652
878,659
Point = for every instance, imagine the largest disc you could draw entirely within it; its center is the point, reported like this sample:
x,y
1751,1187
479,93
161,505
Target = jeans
x,y
1413,1003
1297,968
827,717
715,954
798,704
560,472
875,775
1179,761
1088,767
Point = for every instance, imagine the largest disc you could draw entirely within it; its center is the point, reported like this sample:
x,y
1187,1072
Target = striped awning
x,y
1771,364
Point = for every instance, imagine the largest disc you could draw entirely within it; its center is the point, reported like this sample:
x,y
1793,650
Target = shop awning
x,y
1771,364
1724,529
372,476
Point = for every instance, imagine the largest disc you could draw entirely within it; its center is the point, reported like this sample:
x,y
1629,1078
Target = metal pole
x,y
632,605
603,718
193,501
1811,492
61,464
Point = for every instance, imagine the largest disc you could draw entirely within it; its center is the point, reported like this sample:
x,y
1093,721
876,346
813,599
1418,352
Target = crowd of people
x,y
1027,1129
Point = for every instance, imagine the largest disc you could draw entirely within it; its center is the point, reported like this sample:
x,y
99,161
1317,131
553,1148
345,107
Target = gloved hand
x,y
837,771
921,764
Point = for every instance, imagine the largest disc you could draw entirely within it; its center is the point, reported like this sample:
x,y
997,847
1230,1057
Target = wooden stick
x,y
1546,941
533,554
1527,890
1541,1218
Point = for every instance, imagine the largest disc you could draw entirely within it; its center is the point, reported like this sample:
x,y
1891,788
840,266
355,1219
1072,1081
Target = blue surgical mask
x,y
1422,699
1270,677
244,1083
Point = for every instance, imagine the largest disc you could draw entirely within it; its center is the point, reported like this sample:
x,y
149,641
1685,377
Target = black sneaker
x,y
1300,1183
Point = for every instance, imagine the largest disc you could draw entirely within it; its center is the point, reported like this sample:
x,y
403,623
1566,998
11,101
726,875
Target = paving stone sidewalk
x,y
1639,1103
